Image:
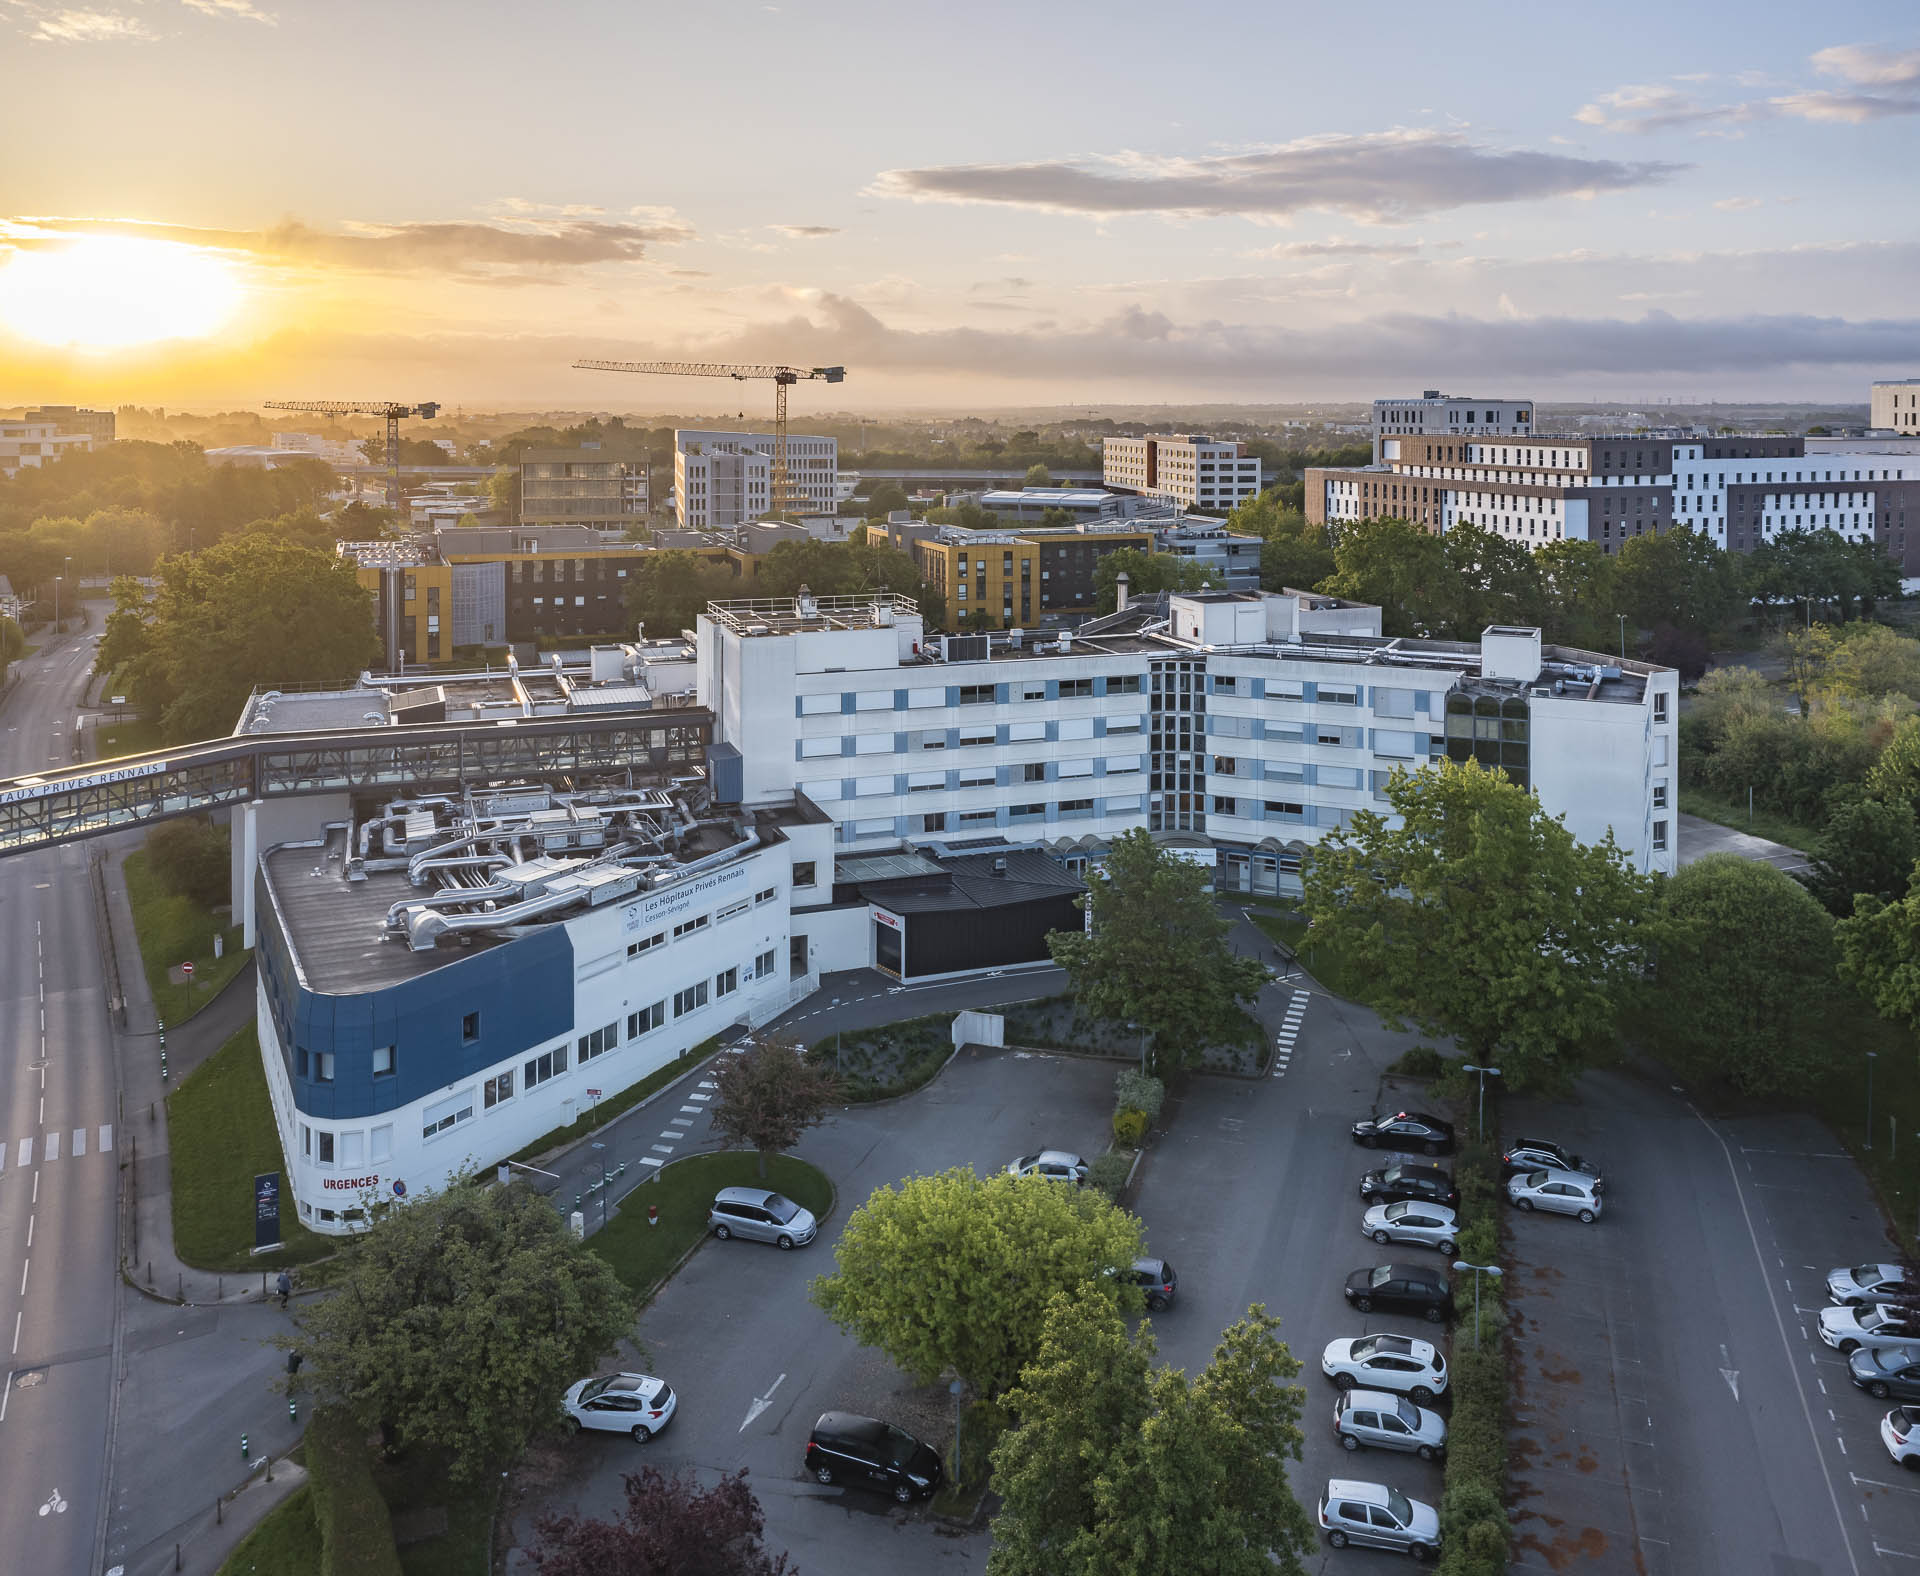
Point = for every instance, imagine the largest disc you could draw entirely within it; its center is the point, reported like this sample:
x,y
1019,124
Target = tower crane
x,y
394,414
782,378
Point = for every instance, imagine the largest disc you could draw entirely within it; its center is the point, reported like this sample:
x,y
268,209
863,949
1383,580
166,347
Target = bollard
x,y
219,1288
263,1285
653,1214
176,1556
220,1505
293,1410
180,1287
269,1466
149,1272
150,1105
243,1447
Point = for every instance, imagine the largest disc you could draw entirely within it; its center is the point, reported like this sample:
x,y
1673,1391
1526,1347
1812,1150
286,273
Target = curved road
x,y
58,1162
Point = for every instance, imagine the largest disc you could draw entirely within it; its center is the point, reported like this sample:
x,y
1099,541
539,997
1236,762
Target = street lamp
x,y
601,1150
1478,1270
1483,1072
56,592
1623,635
1871,1057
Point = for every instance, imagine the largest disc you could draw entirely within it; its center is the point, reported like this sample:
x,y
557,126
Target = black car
x,y
1405,1130
1884,1371
1157,1282
867,1453
1401,1288
1428,1184
1530,1154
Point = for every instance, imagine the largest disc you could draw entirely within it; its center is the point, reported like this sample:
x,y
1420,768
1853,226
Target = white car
x,y
635,1404
1054,1164
1881,1325
1386,1362
1866,1283
1560,1192
1900,1433
1411,1220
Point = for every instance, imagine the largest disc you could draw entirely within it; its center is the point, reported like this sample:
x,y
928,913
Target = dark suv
x,y
1427,1184
847,1448
1401,1288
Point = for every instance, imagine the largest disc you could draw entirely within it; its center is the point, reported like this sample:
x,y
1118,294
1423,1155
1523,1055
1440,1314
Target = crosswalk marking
x,y
106,1136
678,1121
662,1149
648,1160
22,1150
1288,1033
3,1157
699,1097
79,1142
685,1109
53,1146
26,1153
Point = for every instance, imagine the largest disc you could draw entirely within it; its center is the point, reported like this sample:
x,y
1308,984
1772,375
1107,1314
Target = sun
x,y
107,292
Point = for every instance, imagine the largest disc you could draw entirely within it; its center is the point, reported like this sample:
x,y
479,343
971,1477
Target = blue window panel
x,y
899,744
1099,686
846,703
1100,724
1312,691
1053,728
846,788
953,694
1053,689
1259,688
899,700
1000,694
846,744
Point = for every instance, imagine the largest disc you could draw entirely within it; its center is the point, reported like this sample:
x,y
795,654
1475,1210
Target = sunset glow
x,y
110,292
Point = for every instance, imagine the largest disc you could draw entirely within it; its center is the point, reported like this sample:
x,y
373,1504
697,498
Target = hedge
x,y
1474,1529
356,1529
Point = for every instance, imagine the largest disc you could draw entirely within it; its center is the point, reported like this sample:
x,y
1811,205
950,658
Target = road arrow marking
x,y
761,1403
1731,1375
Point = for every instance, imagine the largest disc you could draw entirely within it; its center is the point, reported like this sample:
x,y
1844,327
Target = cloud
x,y
1375,178
1850,108
1869,66
1652,107
1880,82
1337,248
463,248
244,9
88,27
1739,204
806,232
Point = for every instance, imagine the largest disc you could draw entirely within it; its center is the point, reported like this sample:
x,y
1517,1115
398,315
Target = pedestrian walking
x,y
285,1287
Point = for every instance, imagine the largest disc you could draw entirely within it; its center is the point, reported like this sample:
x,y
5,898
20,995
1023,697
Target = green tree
x,y
1745,982
767,1096
1398,567
190,858
1477,915
954,1272
456,1321
671,590
503,492
1157,953
1680,578
1118,1465
1038,476
1867,847
13,644
1895,776
1147,574
1578,595
885,498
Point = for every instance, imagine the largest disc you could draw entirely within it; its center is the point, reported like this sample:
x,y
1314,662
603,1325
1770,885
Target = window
x,y
497,1090
383,1061
1034,772
762,967
470,1028
1125,684
975,694
646,944
685,1001
446,1113
1284,811
1660,706
1076,689
1224,765
975,735
803,873
726,984
323,1066
1659,796
599,1042
733,908
688,927
767,896
381,1145
646,1020
1328,736
1224,806
300,1062
548,1064
1659,836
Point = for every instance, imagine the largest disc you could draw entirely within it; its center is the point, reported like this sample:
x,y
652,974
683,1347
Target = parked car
x,y
1405,1130
1530,1154
1900,1433
760,1216
1054,1164
1375,1418
1848,1329
1377,1517
635,1404
1886,1372
1866,1284
867,1453
1558,1192
1401,1288
1386,1362
1431,1225
1392,1183
1157,1282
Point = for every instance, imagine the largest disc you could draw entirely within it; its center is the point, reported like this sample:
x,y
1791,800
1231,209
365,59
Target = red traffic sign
x,y
593,1094
187,969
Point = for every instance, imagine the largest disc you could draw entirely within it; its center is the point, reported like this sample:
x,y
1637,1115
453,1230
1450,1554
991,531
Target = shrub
x,y
189,856
1474,1528
356,1529
1423,1061
1109,1173
1129,1127
1133,1090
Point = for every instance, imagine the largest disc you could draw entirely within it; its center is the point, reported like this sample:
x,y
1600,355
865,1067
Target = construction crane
x,y
783,378
394,414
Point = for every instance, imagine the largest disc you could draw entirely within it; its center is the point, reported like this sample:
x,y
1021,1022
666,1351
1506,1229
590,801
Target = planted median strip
x,y
1475,1531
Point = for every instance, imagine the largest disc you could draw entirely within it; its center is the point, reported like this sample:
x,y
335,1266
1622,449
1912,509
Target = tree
x,y
1895,776
1680,578
885,498
1476,915
1147,574
503,492
1866,847
669,591
457,1320
190,858
1745,980
1684,650
1399,568
13,644
1578,596
1038,476
1157,953
671,1527
769,1095
1117,1465
1880,954
953,1273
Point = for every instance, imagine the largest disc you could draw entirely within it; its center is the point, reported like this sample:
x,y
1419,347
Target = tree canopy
x,y
669,591
1481,917
1147,574
955,1271
1867,847
1157,953
1118,1465
671,1526
457,1321
768,1095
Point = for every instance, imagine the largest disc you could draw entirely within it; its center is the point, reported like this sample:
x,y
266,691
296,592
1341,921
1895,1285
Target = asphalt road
x,y
58,1183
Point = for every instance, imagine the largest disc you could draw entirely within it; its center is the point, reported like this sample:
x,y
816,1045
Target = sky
x,y
221,202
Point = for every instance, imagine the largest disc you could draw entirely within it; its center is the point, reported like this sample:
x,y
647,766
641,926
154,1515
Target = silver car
x,y
760,1216
1411,1220
1377,1517
1559,1192
1866,1284
1845,1329
1056,1165
1388,1422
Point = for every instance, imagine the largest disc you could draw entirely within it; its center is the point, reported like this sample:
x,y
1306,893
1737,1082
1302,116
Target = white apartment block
x,y
1435,414
1186,469
1241,725
26,444
724,479
1895,407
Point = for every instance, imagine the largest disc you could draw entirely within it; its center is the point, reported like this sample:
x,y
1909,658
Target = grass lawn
x,y
130,735
1766,823
175,930
286,1543
604,1111
1329,967
642,1255
1840,1099
220,1128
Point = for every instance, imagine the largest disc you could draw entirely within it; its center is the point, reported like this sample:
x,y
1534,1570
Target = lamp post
x,y
1871,1057
1483,1072
601,1150
1623,635
1478,1270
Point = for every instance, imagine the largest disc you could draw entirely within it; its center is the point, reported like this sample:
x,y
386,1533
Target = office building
x,y
1183,469
1895,407
1029,505
1020,579
335,451
1437,415
1232,559
723,479
583,487
31,444
67,419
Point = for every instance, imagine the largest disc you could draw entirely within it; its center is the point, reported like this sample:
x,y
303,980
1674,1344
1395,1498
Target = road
x,y
58,1163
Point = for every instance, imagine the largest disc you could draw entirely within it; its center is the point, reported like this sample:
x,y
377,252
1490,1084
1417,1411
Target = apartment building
x,y
1232,559
1895,406
1437,415
724,479
1184,469
98,425
583,487
1016,579
1740,489
30,444
1243,726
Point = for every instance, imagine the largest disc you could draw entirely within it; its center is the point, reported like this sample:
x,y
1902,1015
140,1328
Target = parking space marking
x,y
1899,1554
1867,1482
